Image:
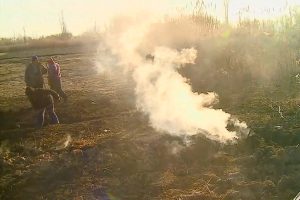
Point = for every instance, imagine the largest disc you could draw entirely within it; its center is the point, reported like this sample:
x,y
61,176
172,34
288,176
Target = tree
x,y
63,26
226,9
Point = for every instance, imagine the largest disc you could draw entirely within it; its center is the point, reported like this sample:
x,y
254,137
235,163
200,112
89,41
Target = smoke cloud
x,y
166,97
162,93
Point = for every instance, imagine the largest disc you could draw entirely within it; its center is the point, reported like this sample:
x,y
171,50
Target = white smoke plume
x,y
162,92
166,97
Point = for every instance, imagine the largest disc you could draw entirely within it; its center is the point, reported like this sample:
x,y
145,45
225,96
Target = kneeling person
x,y
42,100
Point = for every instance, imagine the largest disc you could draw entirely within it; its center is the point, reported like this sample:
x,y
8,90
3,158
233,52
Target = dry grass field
x,y
105,149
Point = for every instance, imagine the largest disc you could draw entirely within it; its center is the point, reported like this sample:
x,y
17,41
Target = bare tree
x,y
226,9
24,35
63,25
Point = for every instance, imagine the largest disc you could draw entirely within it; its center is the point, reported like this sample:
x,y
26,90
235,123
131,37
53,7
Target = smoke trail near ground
x,y
163,93
167,98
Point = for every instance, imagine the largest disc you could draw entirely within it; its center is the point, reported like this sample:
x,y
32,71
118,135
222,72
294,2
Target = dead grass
x,y
105,148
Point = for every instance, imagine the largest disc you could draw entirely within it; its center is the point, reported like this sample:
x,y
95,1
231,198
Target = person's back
x,y
34,74
41,100
53,72
54,78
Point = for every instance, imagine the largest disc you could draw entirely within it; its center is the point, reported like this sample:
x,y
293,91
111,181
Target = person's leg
x,y
52,114
51,85
56,86
60,91
40,118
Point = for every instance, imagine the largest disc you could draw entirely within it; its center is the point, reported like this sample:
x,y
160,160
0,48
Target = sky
x,y
41,17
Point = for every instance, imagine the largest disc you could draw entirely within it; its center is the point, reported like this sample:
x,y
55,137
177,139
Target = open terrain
x,y
105,148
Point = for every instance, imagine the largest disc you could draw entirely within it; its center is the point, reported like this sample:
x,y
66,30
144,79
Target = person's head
x,y
51,61
34,59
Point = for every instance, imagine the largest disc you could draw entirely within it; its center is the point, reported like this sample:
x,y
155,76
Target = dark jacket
x,y
34,75
41,98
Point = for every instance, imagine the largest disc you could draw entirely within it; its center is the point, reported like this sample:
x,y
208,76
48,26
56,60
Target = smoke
x,y
167,98
162,93
64,143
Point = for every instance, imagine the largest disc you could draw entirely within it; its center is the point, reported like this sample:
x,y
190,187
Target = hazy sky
x,y
41,17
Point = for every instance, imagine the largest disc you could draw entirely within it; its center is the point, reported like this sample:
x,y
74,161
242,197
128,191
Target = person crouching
x,y
41,101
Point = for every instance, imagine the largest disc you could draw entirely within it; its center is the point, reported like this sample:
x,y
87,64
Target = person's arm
x,y
43,69
58,70
27,75
48,92
54,94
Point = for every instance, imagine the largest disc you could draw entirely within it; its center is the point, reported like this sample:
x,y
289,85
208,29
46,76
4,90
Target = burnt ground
x,y
105,149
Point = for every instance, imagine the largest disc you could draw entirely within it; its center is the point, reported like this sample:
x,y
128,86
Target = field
x,y
105,148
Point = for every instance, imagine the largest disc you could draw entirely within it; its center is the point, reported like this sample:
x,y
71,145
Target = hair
x,y
51,60
29,90
34,58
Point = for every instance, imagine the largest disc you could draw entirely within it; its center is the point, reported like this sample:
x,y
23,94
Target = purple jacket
x,y
54,72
